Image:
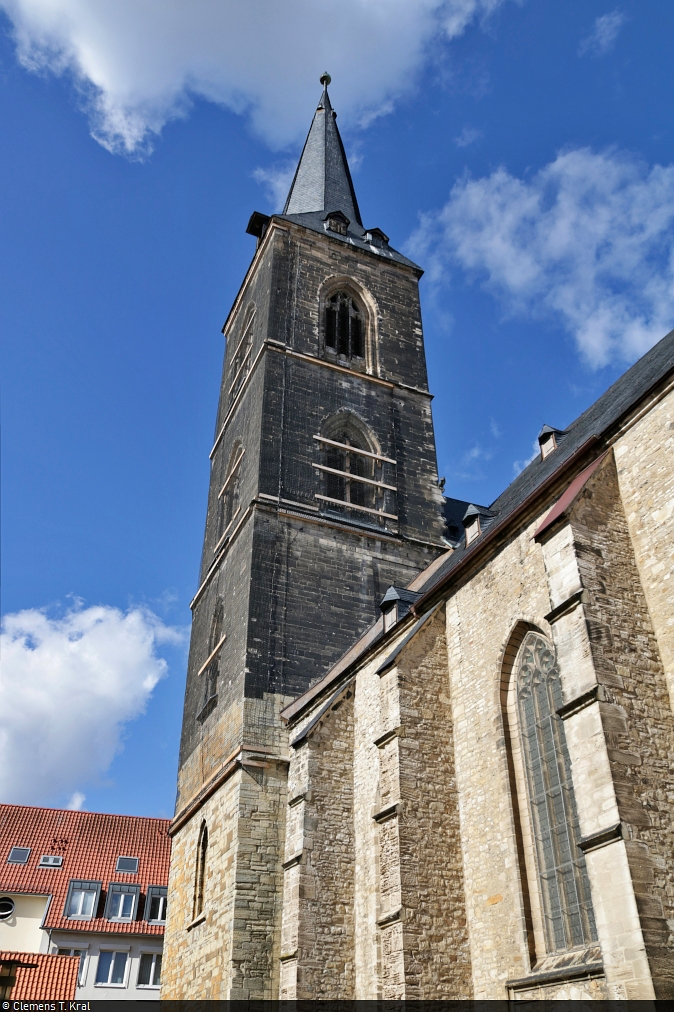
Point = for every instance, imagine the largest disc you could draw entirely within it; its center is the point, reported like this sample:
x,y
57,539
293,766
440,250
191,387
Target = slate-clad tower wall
x,y
323,493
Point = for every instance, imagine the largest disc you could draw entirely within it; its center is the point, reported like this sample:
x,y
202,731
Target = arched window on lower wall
x,y
200,875
561,905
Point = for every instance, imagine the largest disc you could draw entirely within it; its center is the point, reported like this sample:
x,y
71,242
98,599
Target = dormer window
x,y
548,445
122,901
337,222
344,330
390,614
376,237
473,529
547,440
476,519
395,605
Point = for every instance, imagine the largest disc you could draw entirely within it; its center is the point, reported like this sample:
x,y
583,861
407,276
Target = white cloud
x,y
603,35
467,136
588,240
138,62
68,687
519,465
76,802
276,181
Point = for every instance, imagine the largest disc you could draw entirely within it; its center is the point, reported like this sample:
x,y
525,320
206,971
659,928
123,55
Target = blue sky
x,y
522,152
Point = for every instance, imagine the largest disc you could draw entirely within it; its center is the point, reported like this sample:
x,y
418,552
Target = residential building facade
x,y
91,886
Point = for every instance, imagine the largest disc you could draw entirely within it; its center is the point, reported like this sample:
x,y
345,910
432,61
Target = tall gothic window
x,y
242,357
568,918
353,473
344,329
200,876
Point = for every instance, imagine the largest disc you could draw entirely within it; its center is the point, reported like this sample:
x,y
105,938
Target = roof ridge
x,y
76,812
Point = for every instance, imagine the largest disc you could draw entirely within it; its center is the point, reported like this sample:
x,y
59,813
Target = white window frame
x,y
117,898
65,950
154,953
117,951
121,889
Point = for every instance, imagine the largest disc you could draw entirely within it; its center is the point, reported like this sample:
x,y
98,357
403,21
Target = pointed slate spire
x,y
322,181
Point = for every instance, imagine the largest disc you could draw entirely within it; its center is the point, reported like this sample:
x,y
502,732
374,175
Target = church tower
x,y
323,493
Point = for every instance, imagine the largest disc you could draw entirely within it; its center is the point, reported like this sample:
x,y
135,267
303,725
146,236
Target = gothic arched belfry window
x,y
242,358
354,474
566,905
344,326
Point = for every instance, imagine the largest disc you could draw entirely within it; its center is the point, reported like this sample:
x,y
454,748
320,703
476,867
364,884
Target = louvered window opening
x,y
229,498
565,889
353,476
241,360
344,332
212,669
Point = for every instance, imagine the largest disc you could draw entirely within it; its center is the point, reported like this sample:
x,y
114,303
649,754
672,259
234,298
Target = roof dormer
x,y
336,221
395,604
547,440
476,519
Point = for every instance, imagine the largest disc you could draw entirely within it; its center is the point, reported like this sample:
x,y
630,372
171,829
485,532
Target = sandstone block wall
x,y
373,902
481,618
227,953
644,457
318,923
637,721
417,770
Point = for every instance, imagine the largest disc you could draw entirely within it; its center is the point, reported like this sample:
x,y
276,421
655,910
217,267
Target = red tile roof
x,y
45,978
90,844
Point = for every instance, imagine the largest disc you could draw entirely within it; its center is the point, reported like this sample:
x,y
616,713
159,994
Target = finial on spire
x,y
325,79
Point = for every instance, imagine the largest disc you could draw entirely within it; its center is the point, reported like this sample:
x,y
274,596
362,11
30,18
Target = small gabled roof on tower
x,y
322,181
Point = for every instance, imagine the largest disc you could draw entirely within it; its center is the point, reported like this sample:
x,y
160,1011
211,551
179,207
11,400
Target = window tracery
x,y
566,905
344,326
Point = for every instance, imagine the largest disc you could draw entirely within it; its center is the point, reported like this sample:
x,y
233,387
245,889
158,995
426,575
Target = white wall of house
x,y
22,931
132,948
